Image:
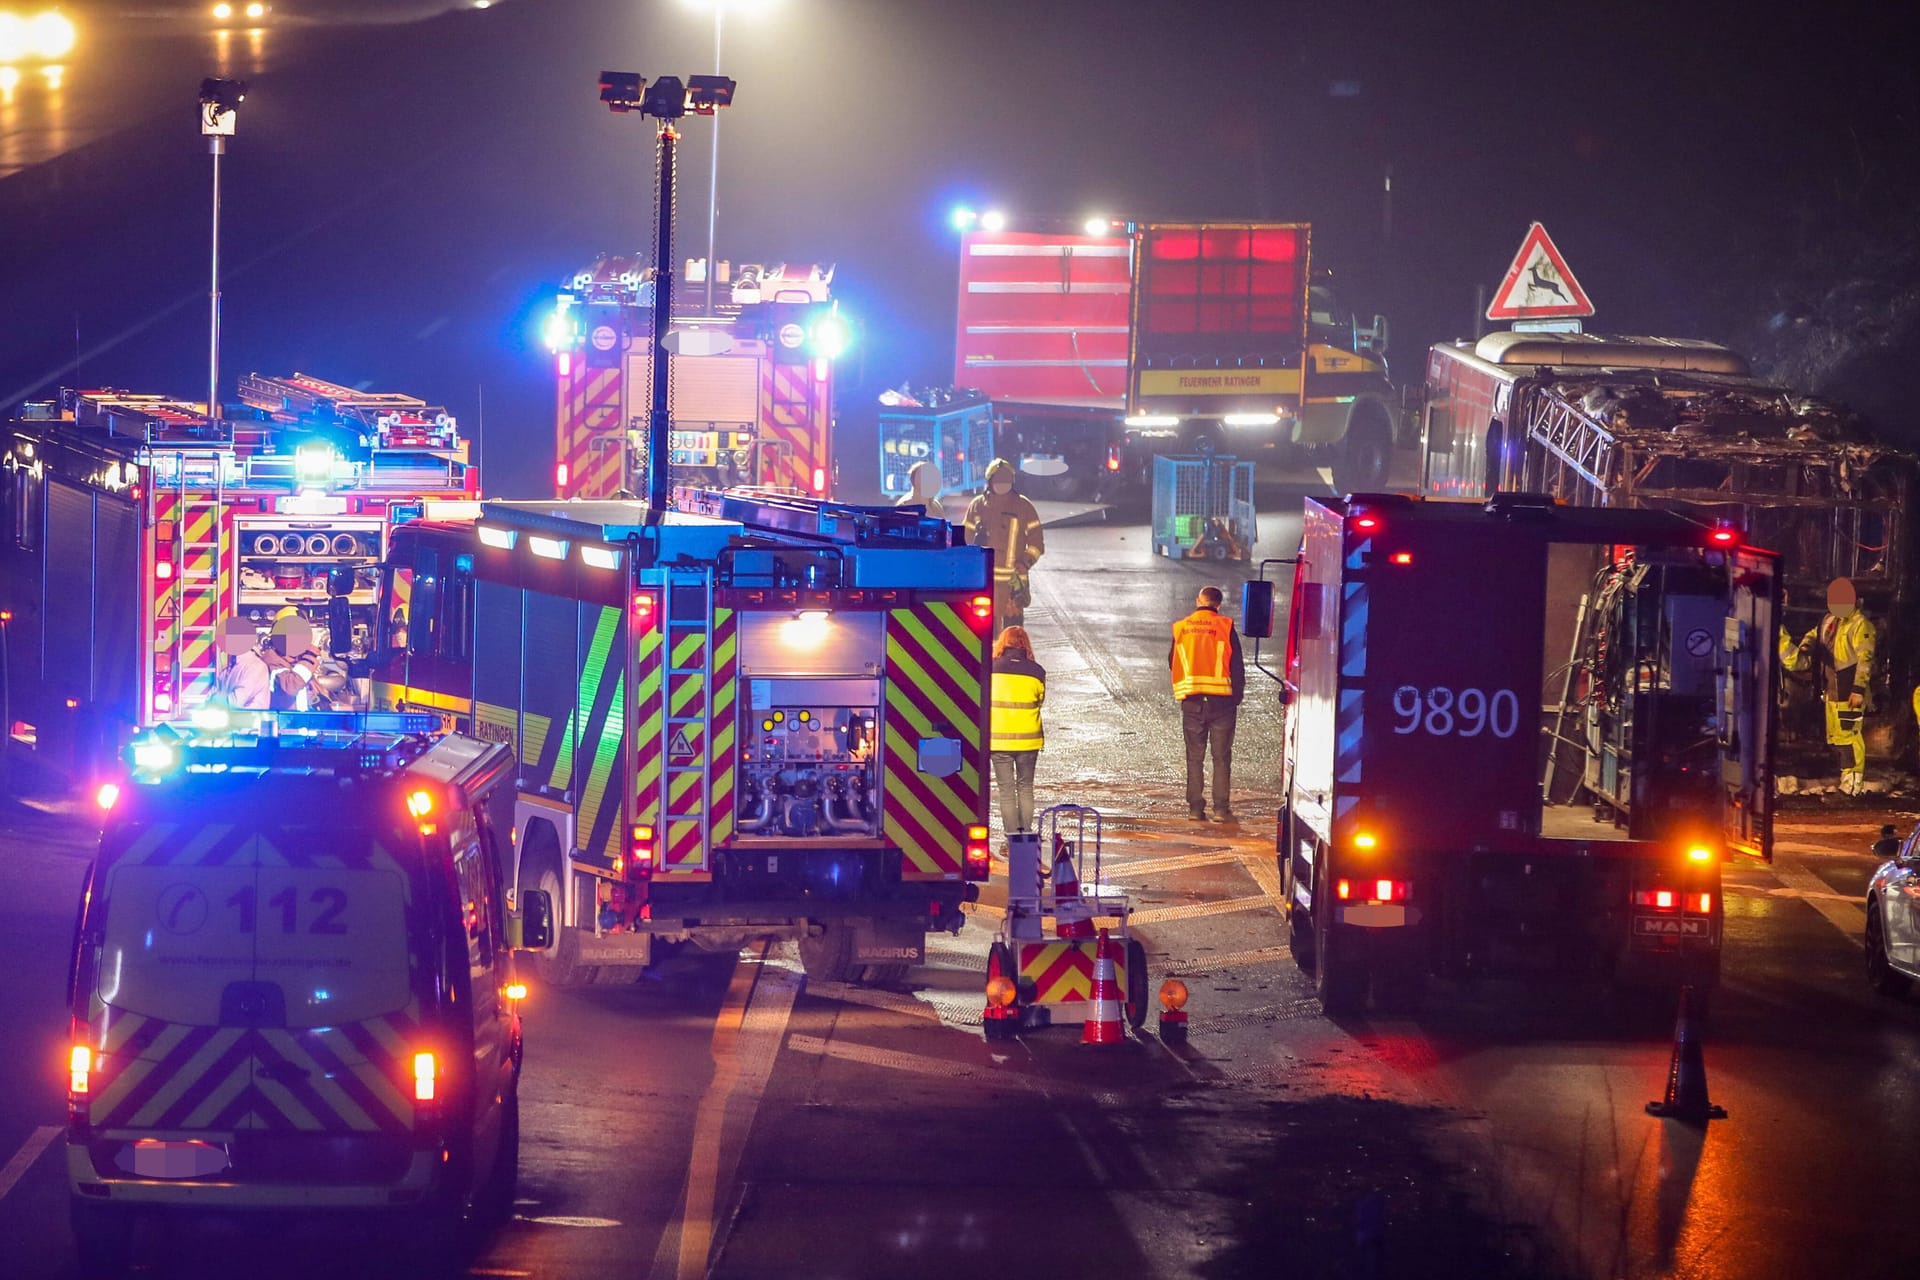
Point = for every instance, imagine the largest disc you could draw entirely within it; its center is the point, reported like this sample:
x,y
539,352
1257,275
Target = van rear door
x,y
254,979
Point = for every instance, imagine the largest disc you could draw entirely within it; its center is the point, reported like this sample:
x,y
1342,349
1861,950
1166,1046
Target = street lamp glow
x,y
993,220
735,8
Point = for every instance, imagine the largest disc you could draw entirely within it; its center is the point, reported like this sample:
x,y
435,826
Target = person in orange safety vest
x,y
1209,679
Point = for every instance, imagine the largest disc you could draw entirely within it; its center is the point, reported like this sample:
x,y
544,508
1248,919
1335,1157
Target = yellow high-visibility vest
x,y
1202,647
1019,689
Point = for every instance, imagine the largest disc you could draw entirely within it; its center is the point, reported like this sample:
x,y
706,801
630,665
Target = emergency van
x,y
292,986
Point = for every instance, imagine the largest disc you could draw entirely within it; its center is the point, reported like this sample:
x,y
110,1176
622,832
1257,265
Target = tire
x,y
503,1180
1137,980
1361,461
102,1237
829,957
559,965
1339,972
1881,975
1300,939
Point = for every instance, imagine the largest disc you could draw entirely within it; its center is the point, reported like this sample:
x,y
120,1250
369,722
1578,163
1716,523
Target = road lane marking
x,y
892,1059
891,1001
1847,915
1178,862
746,1042
29,1151
1230,960
1193,910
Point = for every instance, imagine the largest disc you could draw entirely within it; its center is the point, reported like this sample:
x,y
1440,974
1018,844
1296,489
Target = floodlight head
x,y
621,90
666,99
707,94
224,94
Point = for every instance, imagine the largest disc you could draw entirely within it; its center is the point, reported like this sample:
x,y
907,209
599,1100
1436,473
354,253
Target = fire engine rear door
x,y
1746,712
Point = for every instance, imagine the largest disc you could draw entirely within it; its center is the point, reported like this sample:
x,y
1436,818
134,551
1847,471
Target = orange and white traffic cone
x,y
1072,917
1103,1013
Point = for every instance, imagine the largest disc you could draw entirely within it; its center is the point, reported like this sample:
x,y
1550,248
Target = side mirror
x,y
1256,609
535,921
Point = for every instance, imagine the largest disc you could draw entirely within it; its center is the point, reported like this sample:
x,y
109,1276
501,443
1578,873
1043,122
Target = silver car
x,y
1893,914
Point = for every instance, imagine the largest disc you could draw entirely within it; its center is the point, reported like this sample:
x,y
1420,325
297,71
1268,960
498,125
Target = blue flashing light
x,y
829,336
963,218
150,755
561,332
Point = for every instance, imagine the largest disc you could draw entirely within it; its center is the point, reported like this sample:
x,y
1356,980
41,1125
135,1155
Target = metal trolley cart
x,y
1052,968
1203,508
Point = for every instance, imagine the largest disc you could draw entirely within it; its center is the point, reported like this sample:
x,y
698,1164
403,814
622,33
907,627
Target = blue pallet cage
x,y
1203,508
958,438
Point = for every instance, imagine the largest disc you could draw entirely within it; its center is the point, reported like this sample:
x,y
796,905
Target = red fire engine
x,y
750,385
133,526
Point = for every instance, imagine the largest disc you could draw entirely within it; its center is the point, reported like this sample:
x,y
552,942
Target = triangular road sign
x,y
681,747
1538,284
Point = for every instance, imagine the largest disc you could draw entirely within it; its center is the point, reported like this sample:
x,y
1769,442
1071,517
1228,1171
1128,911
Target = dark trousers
x,y
1208,720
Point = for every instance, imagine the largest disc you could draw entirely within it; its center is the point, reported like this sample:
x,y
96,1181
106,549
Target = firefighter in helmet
x,y
1003,520
1840,653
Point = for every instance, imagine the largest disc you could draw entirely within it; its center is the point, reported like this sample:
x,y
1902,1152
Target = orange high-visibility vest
x,y
1201,649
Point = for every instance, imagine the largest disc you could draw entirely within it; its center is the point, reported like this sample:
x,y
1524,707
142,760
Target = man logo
x,y
1670,928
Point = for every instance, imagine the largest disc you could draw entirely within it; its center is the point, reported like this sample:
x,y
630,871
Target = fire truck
x,y
750,716
750,387
1521,737
1683,425
133,526
1105,342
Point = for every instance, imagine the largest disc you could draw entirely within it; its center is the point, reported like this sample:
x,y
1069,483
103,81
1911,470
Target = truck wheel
x,y
1340,968
103,1237
1361,461
1300,939
1881,975
829,957
559,964
885,975
1136,984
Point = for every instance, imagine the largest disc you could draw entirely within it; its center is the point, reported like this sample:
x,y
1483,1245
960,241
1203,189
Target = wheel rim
x,y
550,885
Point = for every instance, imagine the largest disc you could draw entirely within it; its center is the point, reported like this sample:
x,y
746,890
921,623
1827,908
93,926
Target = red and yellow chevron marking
x,y
152,1074
793,413
649,727
724,720
1062,972
937,673
588,409
683,852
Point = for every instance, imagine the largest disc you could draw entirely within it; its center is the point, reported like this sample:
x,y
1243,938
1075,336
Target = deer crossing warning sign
x,y
1538,285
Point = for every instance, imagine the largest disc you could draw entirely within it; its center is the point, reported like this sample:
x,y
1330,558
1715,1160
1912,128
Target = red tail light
x,y
1700,903
640,849
163,570
79,1070
1343,889
1658,899
982,607
1113,458
643,607
819,479
1367,523
561,474
979,855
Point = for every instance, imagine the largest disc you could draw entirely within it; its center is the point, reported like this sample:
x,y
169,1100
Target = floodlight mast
x,y
667,99
219,102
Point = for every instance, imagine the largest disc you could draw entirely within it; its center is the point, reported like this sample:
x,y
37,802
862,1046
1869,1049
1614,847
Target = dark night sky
x,y
399,204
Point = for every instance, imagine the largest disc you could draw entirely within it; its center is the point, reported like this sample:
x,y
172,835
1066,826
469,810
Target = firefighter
x,y
290,653
1008,524
924,483
1019,689
1209,679
1840,654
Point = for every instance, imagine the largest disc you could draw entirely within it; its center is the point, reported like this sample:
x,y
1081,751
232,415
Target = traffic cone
x,y
1072,917
1687,1076
1103,1016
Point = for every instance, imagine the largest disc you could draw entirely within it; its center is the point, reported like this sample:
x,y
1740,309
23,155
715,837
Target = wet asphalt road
x,y
725,1117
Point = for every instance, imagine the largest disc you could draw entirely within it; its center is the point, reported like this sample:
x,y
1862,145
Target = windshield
x,y
316,914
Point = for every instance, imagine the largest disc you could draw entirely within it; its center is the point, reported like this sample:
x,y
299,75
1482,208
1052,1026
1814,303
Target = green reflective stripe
x,y
606,752
591,675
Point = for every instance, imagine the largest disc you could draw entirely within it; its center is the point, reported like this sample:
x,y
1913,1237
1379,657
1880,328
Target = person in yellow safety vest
x,y
1209,679
1003,520
1019,690
1840,652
